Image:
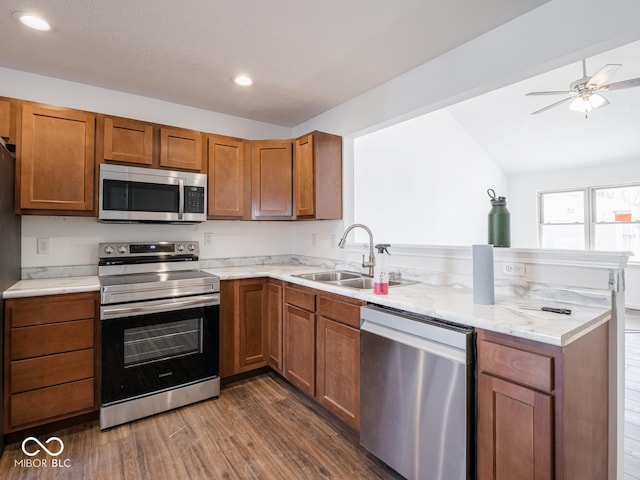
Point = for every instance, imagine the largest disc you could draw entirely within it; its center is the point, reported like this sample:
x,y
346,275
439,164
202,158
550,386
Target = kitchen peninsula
x,y
536,353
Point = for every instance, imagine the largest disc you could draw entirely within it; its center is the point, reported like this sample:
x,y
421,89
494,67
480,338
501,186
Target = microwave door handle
x,y
181,199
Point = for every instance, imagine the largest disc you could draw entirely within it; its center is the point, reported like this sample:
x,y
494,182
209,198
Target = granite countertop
x,y
453,304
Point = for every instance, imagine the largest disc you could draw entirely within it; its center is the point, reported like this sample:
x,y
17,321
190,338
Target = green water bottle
x,y
499,221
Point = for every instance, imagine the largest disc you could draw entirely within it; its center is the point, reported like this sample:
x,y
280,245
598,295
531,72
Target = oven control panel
x,y
148,249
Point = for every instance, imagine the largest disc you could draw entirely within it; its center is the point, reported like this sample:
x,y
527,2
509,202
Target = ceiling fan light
x,y
581,104
597,100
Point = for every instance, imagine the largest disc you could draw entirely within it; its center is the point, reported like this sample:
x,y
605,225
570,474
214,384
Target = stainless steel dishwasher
x,y
417,401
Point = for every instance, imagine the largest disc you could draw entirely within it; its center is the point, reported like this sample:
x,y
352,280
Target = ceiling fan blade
x,y
603,104
634,82
601,76
555,92
552,105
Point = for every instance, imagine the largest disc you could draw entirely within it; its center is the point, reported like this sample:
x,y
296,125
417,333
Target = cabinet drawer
x,y
520,366
49,403
40,311
51,370
346,313
300,299
40,340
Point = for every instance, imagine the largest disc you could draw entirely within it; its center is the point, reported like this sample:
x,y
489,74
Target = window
x,y
597,218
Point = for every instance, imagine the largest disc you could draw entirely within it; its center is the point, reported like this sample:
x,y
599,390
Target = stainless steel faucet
x,y
372,260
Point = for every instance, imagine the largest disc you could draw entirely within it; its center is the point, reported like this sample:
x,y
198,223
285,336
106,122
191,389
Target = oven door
x,y
157,345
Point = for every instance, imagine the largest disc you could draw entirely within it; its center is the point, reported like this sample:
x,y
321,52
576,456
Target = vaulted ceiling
x,y
501,121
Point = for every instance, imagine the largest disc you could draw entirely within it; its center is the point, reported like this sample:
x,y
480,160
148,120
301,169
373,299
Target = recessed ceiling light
x,y
243,80
32,21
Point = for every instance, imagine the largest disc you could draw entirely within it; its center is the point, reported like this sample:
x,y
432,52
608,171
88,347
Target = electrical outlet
x,y
334,240
514,269
314,238
43,246
208,239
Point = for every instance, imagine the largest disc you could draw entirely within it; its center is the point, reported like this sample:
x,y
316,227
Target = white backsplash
x,y
574,276
73,241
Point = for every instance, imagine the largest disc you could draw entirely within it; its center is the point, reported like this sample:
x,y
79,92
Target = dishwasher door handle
x,y
436,348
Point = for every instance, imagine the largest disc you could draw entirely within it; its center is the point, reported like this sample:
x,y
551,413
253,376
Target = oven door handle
x,y
108,312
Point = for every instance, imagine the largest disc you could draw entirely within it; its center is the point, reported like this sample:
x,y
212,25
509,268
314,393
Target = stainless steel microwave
x,y
132,194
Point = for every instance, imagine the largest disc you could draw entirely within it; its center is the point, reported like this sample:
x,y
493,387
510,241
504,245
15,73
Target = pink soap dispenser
x,y
380,271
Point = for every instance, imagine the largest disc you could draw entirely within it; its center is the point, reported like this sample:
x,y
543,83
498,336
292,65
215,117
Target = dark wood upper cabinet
x,y
180,149
229,180
8,107
272,176
129,141
59,148
318,176
55,159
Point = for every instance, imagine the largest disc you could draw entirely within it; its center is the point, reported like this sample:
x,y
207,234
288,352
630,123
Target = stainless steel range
x,y
160,329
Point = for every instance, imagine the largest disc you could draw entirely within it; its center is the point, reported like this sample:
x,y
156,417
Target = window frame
x,y
586,214
589,219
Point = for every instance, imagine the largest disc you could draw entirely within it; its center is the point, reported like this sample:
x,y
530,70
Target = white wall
x,y
74,240
53,91
424,182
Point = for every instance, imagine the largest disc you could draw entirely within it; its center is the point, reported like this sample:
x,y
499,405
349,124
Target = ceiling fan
x,y
584,93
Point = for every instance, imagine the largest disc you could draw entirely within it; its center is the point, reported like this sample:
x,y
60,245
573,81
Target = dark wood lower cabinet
x,y
275,303
243,329
513,418
338,369
51,358
299,348
542,409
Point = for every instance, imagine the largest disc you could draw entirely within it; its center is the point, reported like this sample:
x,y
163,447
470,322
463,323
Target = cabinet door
x,y
272,177
515,431
56,158
299,348
338,370
243,331
227,329
8,119
181,149
304,181
128,141
318,176
229,177
251,331
274,322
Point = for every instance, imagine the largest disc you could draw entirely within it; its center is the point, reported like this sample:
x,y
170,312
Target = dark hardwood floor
x,y
260,428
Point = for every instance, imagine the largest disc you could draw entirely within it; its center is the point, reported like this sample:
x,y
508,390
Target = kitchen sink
x,y
343,278
334,276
